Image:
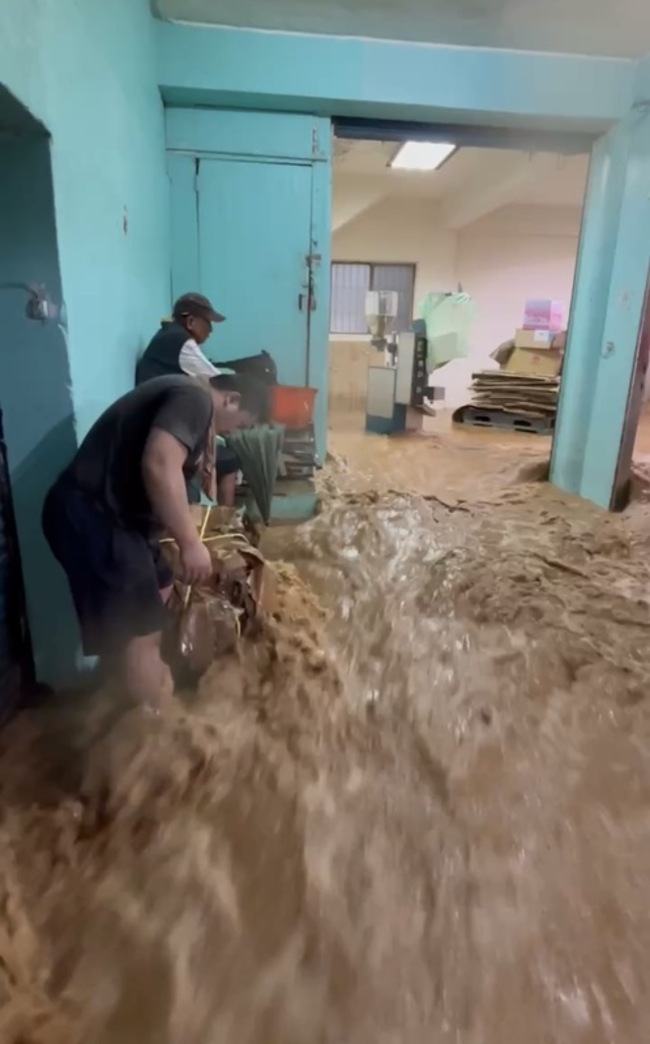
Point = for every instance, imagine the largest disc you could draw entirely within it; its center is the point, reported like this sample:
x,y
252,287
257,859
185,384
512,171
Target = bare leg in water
x,y
139,669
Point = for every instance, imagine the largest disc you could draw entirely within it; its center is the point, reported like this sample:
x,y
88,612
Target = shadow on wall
x,y
35,396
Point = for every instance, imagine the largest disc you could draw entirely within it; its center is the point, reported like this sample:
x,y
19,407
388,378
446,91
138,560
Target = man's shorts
x,y
115,574
227,462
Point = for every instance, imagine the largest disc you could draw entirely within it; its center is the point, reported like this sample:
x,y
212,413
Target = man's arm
x,y
194,363
164,481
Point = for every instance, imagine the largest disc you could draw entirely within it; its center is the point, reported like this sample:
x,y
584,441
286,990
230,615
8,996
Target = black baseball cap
x,y
196,305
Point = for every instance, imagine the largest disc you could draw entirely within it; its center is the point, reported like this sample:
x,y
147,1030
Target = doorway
x,y
37,437
498,218
635,441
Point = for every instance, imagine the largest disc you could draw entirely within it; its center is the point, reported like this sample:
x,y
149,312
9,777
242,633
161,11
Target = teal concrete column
x,y
608,299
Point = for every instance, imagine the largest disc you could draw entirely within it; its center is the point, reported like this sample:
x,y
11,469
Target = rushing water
x,y
424,819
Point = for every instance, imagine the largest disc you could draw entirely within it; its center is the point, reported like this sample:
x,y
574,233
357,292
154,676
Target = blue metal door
x,y
254,246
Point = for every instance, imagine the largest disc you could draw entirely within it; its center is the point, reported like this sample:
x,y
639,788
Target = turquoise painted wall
x,y
612,272
86,70
375,78
300,142
642,80
35,396
589,307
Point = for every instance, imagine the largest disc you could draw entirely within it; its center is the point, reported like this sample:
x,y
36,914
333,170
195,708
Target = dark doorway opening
x,y
37,429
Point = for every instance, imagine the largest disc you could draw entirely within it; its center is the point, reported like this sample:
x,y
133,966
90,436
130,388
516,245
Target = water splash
x,y
436,830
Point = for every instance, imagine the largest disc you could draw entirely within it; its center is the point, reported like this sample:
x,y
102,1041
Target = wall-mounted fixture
x,y
39,307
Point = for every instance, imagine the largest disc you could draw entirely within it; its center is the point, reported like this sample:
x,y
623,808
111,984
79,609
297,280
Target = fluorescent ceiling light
x,y
422,155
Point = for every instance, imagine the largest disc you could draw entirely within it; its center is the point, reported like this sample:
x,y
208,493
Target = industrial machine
x,y
381,314
401,380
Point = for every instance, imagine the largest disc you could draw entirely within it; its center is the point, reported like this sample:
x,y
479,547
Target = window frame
x,y
372,266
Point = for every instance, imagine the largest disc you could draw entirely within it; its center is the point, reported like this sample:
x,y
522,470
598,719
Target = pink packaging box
x,y
543,314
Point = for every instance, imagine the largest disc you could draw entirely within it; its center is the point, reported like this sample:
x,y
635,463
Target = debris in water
x,y
412,808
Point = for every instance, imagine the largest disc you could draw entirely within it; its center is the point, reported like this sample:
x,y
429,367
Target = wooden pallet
x,y
480,417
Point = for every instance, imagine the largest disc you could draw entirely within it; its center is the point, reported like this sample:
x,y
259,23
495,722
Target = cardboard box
x,y
543,314
539,340
533,363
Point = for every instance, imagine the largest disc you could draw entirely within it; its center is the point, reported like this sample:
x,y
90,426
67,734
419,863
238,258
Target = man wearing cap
x,y
176,349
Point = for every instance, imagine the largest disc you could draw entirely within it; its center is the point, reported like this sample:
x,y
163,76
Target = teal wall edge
x,y
87,73
608,301
642,80
35,392
353,77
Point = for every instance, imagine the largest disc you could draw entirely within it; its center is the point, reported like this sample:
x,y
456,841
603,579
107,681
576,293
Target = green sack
x,y
447,318
258,450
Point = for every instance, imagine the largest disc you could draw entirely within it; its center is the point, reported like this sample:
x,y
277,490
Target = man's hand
x,y
195,562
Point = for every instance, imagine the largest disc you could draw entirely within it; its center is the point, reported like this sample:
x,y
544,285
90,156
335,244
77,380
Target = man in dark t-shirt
x,y
105,513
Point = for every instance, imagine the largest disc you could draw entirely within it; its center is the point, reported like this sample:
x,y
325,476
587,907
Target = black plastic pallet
x,y
482,418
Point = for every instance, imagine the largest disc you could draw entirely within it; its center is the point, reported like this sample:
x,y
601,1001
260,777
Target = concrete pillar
x,y
607,310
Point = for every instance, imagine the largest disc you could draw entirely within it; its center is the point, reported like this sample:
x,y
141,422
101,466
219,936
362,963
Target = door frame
x,y
623,474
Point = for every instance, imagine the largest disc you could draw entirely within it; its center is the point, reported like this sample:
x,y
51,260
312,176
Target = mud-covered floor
x,y
424,817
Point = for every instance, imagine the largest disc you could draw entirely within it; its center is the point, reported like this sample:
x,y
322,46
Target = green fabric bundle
x,y
258,450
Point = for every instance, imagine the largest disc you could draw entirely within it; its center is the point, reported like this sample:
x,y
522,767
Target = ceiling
x,y
541,179
595,27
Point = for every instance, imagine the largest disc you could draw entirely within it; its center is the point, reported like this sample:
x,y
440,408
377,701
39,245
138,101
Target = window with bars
x,y
350,283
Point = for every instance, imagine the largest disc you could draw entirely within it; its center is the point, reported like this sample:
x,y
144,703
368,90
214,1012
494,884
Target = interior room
x,y
500,225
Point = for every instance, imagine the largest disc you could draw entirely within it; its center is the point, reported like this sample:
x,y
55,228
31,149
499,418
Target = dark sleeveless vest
x,y
162,355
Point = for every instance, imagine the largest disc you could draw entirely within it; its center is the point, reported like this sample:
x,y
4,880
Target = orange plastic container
x,y
293,406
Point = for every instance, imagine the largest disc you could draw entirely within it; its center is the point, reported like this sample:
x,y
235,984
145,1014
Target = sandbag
x,y
208,620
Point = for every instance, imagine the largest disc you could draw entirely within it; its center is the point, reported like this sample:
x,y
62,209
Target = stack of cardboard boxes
x,y
536,351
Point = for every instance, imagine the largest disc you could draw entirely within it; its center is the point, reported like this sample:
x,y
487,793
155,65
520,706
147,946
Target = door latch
x,y
307,300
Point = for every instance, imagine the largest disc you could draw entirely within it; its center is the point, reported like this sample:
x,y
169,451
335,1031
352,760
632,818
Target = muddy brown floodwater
x,y
421,817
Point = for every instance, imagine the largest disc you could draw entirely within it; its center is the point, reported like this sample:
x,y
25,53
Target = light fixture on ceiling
x,y
422,155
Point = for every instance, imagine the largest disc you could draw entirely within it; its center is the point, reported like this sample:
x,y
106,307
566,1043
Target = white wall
x,y
514,253
406,230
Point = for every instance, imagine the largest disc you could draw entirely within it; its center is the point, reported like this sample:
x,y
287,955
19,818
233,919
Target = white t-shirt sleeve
x,y
193,362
